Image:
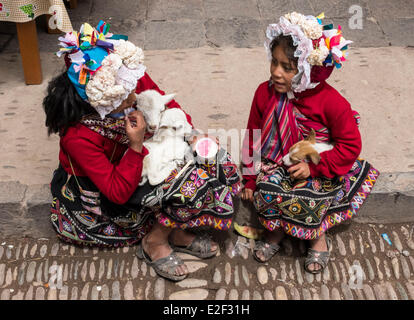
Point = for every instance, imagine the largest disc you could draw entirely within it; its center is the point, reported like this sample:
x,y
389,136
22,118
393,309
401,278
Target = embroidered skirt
x,y
306,209
82,216
200,196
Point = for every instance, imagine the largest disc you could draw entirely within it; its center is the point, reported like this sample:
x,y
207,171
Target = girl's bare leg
x,y
156,245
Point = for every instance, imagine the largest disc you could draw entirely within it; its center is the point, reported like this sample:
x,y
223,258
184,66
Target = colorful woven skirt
x,y
306,209
84,217
200,196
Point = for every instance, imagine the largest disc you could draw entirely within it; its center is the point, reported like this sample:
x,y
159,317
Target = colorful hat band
x,y
103,67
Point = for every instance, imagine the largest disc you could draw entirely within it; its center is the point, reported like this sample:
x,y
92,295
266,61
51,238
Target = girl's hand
x,y
299,171
135,129
247,194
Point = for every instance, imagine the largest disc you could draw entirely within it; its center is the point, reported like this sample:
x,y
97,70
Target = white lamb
x,y
152,103
167,147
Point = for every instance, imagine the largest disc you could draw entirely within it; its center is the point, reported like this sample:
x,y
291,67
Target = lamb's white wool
x,y
175,118
167,150
152,103
167,147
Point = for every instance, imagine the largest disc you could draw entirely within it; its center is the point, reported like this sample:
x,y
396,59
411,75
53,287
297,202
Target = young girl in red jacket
x,y
305,199
97,199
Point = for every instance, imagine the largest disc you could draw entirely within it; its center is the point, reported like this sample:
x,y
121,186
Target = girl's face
x,y
127,103
282,70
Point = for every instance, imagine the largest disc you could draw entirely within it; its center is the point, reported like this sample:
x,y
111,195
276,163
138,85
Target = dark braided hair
x,y
63,105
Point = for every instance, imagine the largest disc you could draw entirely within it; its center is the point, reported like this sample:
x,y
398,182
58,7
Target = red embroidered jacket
x,y
90,153
325,105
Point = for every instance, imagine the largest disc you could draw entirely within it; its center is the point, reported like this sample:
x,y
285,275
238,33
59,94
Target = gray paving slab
x,y
126,25
339,8
272,10
230,9
174,10
398,30
12,191
384,8
162,35
383,22
370,32
241,33
105,9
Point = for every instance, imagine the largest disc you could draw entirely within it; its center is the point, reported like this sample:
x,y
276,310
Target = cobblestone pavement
x,y
46,269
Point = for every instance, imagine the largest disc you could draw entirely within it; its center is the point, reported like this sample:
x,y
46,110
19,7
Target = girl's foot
x,y
188,242
319,245
266,249
157,248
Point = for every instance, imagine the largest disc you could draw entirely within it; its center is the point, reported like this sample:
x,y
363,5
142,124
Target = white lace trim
x,y
302,80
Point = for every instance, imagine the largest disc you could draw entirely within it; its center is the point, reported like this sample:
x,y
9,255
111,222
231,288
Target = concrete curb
x,y
24,209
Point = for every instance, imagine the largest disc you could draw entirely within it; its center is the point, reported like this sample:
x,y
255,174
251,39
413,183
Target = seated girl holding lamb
x,y
97,199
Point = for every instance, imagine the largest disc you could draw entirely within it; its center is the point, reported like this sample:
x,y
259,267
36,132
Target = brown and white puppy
x,y
305,150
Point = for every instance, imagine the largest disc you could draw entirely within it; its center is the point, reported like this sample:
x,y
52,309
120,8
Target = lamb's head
x,y
152,103
176,119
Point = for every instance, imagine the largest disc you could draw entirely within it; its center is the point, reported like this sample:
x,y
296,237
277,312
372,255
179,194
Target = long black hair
x,y
63,105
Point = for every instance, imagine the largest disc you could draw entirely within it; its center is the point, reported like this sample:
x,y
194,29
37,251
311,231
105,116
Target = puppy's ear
x,y
167,98
315,157
311,137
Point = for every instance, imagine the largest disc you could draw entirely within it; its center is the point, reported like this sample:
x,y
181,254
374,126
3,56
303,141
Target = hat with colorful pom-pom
x,y
319,48
103,67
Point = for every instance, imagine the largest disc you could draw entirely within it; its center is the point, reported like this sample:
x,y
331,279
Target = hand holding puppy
x,y
299,171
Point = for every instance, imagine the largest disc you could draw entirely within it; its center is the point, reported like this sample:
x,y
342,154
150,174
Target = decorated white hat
x,y
318,48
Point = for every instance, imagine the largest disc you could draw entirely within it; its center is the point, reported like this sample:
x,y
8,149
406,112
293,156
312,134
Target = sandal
x,y
268,250
200,247
319,257
165,267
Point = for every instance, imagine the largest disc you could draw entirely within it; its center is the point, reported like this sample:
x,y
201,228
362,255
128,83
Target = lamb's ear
x,y
315,157
311,137
167,98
